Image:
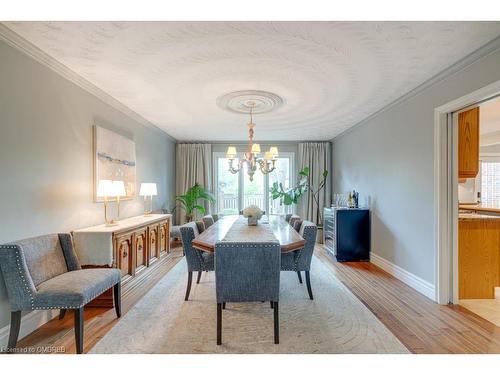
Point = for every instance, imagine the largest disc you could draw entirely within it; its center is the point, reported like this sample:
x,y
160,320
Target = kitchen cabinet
x,y
478,256
468,143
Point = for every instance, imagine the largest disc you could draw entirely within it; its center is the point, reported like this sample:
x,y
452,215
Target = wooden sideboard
x,y
134,246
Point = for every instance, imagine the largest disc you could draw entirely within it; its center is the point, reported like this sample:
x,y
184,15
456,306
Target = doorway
x,y
456,201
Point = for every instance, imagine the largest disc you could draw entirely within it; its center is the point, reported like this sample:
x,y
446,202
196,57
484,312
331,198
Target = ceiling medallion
x,y
244,101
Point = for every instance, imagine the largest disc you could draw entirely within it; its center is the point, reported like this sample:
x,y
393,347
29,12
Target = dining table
x,y
235,228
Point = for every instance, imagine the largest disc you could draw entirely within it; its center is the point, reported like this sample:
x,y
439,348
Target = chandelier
x,y
251,156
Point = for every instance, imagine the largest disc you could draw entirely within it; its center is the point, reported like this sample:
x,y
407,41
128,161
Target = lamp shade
x,y
255,148
148,189
274,151
119,189
105,188
268,156
231,152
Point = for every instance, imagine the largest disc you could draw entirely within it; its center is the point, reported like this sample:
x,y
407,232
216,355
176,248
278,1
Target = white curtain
x,y
316,156
193,165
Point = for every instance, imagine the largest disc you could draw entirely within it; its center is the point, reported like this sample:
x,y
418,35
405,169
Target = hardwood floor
x,y
420,324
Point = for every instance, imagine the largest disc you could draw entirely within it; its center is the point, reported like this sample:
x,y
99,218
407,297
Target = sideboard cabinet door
x,y
124,247
140,248
154,245
165,237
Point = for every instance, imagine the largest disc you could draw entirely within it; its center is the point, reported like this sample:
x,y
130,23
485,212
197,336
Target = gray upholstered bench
x,y
43,273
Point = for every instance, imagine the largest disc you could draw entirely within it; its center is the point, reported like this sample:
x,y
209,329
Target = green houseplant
x,y
304,186
190,200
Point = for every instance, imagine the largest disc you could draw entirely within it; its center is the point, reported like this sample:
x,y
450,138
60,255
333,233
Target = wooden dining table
x,y
289,238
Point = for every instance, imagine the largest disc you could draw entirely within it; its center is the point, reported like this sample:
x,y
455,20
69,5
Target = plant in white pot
x,y
304,186
253,214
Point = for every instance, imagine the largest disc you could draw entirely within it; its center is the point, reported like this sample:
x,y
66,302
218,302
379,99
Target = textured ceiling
x,y
331,75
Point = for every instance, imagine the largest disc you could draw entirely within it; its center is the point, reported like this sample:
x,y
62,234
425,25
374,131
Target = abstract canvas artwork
x,y
114,159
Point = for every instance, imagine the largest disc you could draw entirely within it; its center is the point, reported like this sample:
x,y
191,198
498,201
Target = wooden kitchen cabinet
x,y
478,256
468,143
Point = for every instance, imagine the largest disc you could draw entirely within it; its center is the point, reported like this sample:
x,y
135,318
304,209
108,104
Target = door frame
x,y
446,191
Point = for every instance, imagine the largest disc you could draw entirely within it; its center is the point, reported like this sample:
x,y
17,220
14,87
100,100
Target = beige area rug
x,y
334,322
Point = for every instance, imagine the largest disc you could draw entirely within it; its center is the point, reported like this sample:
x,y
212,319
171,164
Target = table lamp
x,y
148,189
119,191
105,189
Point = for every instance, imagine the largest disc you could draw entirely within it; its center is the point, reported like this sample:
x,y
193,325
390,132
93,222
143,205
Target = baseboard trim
x,y
417,283
29,323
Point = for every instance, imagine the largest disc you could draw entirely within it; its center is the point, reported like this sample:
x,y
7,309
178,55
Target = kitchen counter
x,y
477,216
481,207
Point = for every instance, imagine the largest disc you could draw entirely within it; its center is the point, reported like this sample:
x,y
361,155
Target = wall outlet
x,y
497,292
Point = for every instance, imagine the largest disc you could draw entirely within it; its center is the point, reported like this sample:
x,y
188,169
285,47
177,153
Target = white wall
x,y
390,158
46,154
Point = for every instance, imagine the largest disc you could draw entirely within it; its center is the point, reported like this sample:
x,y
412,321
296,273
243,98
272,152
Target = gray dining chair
x,y
293,218
300,260
247,272
197,260
43,273
288,217
208,220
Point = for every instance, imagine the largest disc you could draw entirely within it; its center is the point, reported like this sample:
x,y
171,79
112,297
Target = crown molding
x,y
482,52
15,40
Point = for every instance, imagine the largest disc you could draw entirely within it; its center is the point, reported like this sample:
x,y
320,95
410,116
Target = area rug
x,y
334,322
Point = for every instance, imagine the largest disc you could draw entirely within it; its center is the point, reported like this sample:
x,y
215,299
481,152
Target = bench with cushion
x,y
43,273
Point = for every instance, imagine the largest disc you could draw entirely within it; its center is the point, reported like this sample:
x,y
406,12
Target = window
x,y
227,188
235,191
490,182
280,175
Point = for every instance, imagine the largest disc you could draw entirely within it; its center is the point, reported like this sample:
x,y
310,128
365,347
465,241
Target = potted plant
x,y
303,186
189,201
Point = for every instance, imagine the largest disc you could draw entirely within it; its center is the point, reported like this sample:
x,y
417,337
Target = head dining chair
x,y
257,278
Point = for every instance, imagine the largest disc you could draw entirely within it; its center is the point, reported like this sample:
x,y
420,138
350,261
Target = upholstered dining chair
x,y
208,220
293,218
288,217
197,260
43,273
247,272
300,260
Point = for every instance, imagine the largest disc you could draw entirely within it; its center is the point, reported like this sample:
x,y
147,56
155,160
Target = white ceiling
x,y
331,75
